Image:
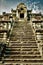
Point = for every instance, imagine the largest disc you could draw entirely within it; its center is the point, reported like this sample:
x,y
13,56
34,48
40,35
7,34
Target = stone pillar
x,y
9,26
17,14
4,37
25,14
5,26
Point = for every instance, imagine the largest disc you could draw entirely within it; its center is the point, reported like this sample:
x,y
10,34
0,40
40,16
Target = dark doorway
x,y
22,15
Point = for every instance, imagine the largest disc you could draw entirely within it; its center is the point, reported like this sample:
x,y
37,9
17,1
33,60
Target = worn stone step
x,y
29,38
30,63
23,49
23,56
24,46
22,53
23,37
31,45
15,39
10,58
23,41
18,47
20,37
24,61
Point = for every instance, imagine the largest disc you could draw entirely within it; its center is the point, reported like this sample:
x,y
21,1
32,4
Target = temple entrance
x,y
21,15
21,12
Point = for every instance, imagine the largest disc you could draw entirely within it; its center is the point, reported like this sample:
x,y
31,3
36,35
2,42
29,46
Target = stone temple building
x,y
21,37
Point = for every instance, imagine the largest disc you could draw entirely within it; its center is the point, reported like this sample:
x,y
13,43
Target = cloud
x,y
6,5
35,6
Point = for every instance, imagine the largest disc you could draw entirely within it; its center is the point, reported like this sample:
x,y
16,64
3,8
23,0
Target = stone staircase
x,y
22,47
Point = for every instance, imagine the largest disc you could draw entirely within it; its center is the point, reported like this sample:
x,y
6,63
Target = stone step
x,y
23,56
22,25
23,30
23,49
19,25
30,63
22,52
23,44
18,47
11,58
20,38
23,33
18,41
23,61
15,49
24,36
29,38
17,53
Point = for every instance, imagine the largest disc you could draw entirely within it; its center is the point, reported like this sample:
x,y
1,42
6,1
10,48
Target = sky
x,y
7,5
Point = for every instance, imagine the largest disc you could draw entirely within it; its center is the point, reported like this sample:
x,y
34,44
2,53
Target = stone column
x,y
9,26
17,14
25,14
4,37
